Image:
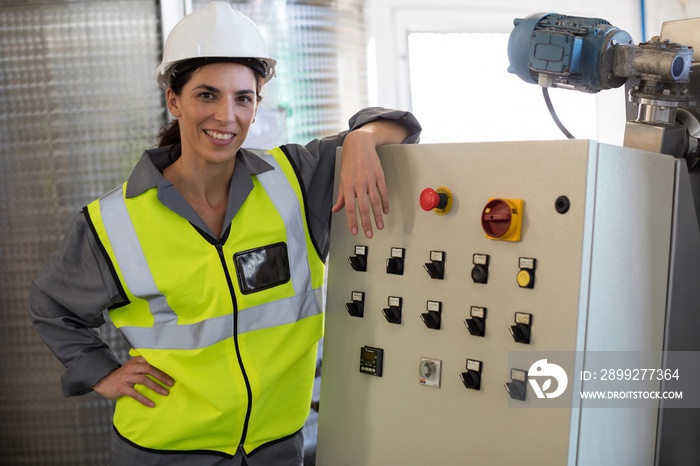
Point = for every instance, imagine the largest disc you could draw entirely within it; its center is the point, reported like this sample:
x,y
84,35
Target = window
x,y
461,91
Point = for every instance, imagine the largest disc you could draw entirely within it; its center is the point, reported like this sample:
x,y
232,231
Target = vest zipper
x,y
244,433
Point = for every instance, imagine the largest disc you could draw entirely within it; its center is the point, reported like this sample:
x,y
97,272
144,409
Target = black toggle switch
x,y
472,378
394,264
358,262
522,328
436,270
356,308
431,319
436,266
521,333
517,387
476,324
392,314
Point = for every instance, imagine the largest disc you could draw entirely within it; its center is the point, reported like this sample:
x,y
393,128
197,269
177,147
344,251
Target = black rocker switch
x,y
436,266
392,314
394,264
521,330
358,262
472,378
517,387
356,308
476,323
431,319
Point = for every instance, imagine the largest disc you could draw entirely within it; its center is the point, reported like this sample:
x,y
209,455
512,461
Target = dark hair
x,y
170,133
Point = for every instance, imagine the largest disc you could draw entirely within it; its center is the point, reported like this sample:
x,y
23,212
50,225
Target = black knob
x,y
431,319
435,269
516,389
471,379
476,326
394,265
562,204
480,273
358,263
521,333
355,308
392,314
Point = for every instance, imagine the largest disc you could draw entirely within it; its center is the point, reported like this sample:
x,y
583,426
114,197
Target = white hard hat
x,y
217,31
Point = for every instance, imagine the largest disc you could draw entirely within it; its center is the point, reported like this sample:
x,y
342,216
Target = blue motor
x,y
555,50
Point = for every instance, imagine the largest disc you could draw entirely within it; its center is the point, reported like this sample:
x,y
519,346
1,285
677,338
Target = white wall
x,y
390,20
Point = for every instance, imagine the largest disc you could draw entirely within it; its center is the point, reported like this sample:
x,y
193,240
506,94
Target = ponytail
x,y
169,134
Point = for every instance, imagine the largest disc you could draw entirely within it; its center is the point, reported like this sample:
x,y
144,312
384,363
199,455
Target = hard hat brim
x,y
265,67
187,65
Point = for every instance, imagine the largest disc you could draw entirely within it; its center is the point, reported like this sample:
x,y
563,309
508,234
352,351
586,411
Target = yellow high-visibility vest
x,y
235,322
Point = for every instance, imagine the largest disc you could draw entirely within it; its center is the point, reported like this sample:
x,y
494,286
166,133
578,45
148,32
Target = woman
x,y
210,261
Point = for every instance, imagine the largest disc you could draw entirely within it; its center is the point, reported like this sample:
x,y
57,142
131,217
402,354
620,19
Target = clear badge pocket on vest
x,y
262,268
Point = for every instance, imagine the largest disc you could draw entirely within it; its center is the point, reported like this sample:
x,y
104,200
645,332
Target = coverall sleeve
x,y
66,303
316,165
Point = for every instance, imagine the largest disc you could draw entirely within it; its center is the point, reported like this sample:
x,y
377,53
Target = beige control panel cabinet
x,y
558,246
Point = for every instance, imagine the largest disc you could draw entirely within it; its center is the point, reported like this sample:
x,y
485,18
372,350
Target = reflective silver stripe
x,y
212,331
287,204
189,336
129,255
284,311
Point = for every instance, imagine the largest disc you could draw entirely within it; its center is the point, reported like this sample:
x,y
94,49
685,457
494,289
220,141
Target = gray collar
x,y
148,172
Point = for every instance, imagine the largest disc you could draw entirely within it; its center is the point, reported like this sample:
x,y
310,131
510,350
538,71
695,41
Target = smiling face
x,y
215,109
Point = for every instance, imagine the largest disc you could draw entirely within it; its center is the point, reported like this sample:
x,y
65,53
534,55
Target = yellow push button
x,y
526,278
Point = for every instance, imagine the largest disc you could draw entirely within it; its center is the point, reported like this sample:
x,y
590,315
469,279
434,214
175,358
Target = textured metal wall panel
x,y
78,104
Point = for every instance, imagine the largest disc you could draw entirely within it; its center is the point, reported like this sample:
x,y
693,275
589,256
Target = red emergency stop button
x,y
502,219
430,199
438,200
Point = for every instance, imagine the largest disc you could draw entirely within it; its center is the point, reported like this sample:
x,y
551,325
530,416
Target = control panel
x,y
492,252
371,361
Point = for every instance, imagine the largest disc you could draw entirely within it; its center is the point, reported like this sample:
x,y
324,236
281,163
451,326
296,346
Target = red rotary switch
x,y
439,200
502,219
496,218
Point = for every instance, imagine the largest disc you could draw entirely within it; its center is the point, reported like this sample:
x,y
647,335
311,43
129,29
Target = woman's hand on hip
x,y
136,371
